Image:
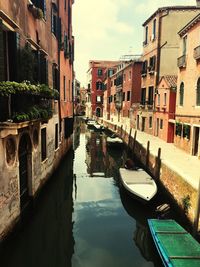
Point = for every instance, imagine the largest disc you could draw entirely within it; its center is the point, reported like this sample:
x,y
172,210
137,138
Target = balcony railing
x,y
181,61
197,52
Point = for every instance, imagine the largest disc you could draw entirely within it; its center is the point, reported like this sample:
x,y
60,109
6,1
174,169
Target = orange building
x,y
187,135
165,104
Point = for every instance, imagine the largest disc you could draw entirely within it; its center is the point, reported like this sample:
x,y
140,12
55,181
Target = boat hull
x,y
138,183
174,244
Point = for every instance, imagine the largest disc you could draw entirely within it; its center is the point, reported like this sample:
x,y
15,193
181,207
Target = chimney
x,y
198,3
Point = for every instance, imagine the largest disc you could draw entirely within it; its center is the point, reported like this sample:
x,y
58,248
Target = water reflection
x,y
82,217
46,237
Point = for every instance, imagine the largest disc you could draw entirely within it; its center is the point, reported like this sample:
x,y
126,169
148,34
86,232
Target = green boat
x,y
177,248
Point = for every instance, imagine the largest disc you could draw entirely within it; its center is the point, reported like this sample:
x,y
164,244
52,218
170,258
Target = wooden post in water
x,y
134,140
147,155
196,218
158,164
129,137
121,130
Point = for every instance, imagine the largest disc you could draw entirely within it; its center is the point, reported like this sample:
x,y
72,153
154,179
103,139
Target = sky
x,y
109,29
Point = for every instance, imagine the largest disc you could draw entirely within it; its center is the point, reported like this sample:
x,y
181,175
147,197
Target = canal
x,y
83,217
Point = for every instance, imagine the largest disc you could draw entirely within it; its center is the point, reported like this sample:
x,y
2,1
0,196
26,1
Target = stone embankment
x,y
176,170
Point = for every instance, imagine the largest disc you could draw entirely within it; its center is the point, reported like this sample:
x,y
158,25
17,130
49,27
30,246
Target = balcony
x,y
196,53
181,61
22,102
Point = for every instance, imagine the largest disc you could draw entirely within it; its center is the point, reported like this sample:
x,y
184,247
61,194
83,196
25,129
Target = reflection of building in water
x,y
94,153
142,240
76,134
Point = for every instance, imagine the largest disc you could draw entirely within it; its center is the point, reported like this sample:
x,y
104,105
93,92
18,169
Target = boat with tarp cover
x,y
177,248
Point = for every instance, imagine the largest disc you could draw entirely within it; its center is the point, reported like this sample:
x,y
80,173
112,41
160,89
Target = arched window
x,y
198,93
99,85
181,94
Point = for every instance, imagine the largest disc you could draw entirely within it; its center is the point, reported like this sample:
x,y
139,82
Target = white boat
x,y
114,141
91,122
139,183
98,127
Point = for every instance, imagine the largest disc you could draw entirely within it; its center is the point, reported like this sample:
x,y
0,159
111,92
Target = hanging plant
x,y
42,90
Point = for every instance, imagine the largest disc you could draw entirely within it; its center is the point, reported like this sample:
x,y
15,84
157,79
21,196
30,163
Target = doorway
x,y
196,141
25,167
143,124
157,127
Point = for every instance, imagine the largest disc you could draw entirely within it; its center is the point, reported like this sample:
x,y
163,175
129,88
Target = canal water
x,y
83,217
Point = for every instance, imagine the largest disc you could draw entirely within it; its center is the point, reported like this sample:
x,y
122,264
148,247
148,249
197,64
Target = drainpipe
x,y
59,102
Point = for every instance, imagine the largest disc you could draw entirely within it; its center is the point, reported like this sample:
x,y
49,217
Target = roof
x,y
190,24
162,9
171,80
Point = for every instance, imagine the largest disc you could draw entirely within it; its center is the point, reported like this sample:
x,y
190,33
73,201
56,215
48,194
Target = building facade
x,y
36,120
188,89
97,73
160,50
165,105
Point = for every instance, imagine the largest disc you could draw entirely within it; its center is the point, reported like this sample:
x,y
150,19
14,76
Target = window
x,y
144,67
42,5
99,85
66,46
124,94
128,95
150,122
54,19
43,144
143,96
64,88
111,98
129,75
158,99
152,63
99,72
161,124
56,136
154,30
99,99
55,76
43,70
184,45
146,35
65,4
198,93
68,127
181,94
165,99
110,72
150,96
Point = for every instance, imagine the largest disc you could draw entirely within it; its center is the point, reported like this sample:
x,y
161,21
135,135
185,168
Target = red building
x,y
165,105
97,73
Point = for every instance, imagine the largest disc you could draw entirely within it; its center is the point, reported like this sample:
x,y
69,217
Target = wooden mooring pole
x,y
196,218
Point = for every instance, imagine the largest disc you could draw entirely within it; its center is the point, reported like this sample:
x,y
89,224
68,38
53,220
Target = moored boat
x,y
177,248
138,183
114,141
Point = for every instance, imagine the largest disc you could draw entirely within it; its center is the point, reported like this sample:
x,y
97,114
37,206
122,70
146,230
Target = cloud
x,y
107,29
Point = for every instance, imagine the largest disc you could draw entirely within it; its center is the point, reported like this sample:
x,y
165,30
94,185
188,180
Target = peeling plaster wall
x,y
38,174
